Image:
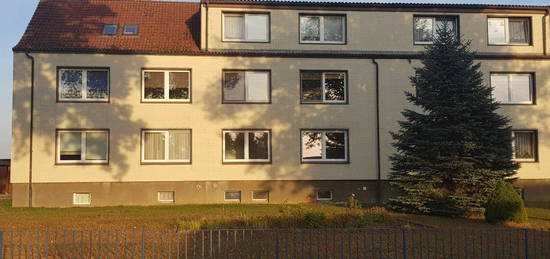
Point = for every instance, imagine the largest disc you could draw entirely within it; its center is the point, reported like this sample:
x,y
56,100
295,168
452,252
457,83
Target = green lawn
x,y
232,215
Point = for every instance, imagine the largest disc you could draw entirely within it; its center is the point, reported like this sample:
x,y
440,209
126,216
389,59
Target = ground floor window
x,y
324,145
324,195
164,146
251,146
525,145
260,195
232,196
82,146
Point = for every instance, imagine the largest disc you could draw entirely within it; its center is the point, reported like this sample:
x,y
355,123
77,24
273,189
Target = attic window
x,y
131,29
109,29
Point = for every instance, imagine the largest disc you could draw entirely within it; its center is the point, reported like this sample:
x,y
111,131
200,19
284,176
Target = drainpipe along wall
x,y
378,169
31,126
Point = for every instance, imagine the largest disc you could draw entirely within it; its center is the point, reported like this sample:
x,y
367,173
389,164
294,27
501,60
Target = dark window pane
x,y
233,84
154,85
334,86
324,195
109,29
232,195
131,29
260,195
524,145
258,145
449,21
98,84
336,145
311,86
334,28
71,84
179,85
519,30
234,145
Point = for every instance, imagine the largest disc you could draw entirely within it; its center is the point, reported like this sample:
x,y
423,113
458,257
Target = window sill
x,y
82,163
164,101
334,103
245,102
83,101
165,163
525,161
510,44
246,41
245,162
510,104
325,162
323,43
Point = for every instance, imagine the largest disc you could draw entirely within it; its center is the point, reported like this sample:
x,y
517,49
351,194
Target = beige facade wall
x,y
367,31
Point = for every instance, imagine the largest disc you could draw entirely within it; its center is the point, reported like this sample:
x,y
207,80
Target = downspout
x,y
31,126
378,169
544,33
206,27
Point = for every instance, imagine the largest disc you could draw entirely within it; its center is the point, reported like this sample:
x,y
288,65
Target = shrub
x,y
505,204
190,225
315,220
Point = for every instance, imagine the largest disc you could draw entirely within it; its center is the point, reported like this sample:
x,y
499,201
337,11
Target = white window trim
x,y
323,85
84,89
509,76
324,199
166,86
246,147
507,32
246,98
322,30
323,146
76,193
245,39
266,199
434,20
82,148
167,201
240,196
166,159
534,159
125,32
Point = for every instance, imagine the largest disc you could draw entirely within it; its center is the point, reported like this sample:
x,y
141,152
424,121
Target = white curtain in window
x,y
234,27
96,145
257,86
520,88
154,146
256,27
180,145
497,30
524,146
518,31
500,88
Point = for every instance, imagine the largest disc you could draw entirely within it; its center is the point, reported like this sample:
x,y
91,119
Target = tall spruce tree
x,y
453,147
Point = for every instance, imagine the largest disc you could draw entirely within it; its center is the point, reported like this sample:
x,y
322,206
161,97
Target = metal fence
x,y
276,243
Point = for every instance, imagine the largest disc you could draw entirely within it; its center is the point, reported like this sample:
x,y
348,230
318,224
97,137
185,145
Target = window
x,y
166,196
82,146
506,31
166,85
246,146
324,195
513,88
232,196
82,198
162,146
425,28
246,87
251,27
524,145
109,29
323,29
79,84
260,195
324,146
130,29
323,87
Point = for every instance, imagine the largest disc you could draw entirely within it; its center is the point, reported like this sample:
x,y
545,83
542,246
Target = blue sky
x,y
15,15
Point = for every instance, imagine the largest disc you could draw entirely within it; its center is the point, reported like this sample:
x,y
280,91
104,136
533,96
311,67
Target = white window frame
x,y
166,86
322,29
507,31
535,151
246,98
434,29
509,76
84,90
238,200
77,193
82,148
246,146
166,201
125,32
323,146
246,39
166,134
324,199
323,85
266,199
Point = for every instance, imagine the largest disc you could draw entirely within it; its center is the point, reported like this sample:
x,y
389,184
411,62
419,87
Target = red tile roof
x,y
76,26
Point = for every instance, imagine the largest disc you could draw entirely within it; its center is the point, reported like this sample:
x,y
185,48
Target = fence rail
x,y
277,243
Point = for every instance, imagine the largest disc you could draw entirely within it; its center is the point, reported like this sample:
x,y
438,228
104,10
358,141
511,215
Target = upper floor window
x,y
524,145
83,84
323,87
246,27
130,29
246,146
82,146
513,88
509,31
241,86
329,146
323,29
426,27
161,146
166,86
109,29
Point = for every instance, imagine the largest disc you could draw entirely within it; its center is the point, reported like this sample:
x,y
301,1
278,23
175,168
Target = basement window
x,y
130,29
82,198
110,29
524,145
324,195
232,196
166,197
260,195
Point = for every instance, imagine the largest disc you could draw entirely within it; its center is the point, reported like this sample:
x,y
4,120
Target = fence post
x,y
526,243
404,235
276,244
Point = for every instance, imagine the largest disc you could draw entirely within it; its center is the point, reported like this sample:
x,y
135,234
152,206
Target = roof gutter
x,y
378,168
31,126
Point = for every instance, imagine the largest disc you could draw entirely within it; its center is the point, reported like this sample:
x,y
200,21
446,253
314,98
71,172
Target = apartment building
x,y
122,102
